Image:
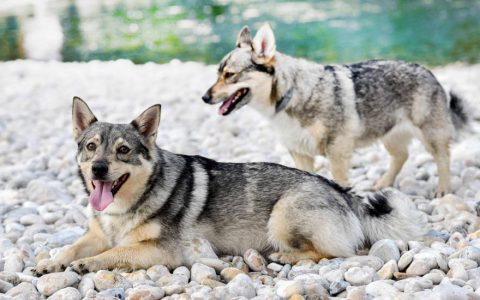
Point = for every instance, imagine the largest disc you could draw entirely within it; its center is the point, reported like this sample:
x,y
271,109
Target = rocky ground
x,y
43,205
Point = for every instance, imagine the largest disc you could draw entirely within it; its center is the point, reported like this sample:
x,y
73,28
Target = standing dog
x,y
332,109
148,204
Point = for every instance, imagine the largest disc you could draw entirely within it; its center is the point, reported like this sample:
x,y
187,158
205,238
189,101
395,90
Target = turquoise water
x,y
432,32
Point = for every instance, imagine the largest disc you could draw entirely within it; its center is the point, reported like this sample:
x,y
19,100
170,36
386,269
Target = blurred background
x,y
432,32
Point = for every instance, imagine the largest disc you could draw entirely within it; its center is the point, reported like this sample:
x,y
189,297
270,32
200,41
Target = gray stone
x,y
381,289
371,261
360,275
450,292
105,280
116,293
338,286
287,288
24,290
145,292
467,264
157,271
50,283
254,260
200,272
405,260
241,285
385,250
85,285
69,293
5,286
215,263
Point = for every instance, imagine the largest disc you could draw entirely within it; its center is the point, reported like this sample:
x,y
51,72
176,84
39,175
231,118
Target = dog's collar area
x,y
283,101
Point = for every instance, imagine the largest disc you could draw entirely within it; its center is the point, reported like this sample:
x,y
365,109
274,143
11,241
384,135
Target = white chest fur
x,y
293,136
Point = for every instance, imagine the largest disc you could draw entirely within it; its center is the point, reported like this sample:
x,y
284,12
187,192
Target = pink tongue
x,y
102,196
224,107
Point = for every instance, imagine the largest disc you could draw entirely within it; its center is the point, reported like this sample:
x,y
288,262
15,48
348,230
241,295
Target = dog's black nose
x,y
99,169
207,97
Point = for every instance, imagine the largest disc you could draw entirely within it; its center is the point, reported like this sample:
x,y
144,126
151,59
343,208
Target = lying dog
x,y
148,203
333,109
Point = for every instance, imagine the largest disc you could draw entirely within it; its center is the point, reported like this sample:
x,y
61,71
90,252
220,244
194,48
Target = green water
x,y
432,32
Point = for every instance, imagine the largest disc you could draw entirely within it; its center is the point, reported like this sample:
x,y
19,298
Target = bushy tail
x,y
457,111
390,215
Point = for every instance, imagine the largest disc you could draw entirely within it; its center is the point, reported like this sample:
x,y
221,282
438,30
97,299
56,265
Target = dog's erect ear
x,y
244,39
82,117
264,45
147,123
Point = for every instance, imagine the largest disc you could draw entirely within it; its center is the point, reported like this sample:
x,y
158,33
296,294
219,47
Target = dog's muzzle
x,y
207,97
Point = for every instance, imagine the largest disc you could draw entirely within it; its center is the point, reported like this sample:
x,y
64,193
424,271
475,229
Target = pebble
x,y
144,292
5,286
254,260
69,293
288,288
156,272
86,284
108,280
360,275
24,290
386,272
200,272
405,260
385,250
229,273
381,289
241,285
50,283
338,286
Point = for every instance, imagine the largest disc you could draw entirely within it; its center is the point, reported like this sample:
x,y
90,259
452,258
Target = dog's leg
x,y
137,256
292,246
91,243
302,161
339,153
441,154
398,149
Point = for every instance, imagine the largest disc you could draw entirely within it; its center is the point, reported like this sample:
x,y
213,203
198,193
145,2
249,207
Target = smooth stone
x,y
356,293
385,250
215,263
435,277
69,293
372,261
288,288
145,292
85,285
136,276
50,283
254,260
334,275
230,273
24,290
458,272
211,283
116,293
105,280
469,252
338,286
422,264
313,284
182,271
474,273
241,285
275,267
199,248
13,263
5,286
405,260
200,272
381,289
360,276
465,263
237,262
157,271
450,292
10,277
386,272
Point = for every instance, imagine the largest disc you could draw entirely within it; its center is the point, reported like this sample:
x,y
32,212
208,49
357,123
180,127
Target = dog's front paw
x,y
283,257
46,266
85,265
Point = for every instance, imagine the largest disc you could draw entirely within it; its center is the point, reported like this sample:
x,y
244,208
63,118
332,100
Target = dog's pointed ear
x,y
147,123
264,45
244,39
82,117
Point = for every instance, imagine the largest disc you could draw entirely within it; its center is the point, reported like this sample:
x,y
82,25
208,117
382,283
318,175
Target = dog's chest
x,y
294,136
117,228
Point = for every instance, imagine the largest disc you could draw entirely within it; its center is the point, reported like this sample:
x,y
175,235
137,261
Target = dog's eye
x,y
91,146
123,150
229,75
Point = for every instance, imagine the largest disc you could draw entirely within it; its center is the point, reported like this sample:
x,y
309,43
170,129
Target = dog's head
x,y
115,160
246,73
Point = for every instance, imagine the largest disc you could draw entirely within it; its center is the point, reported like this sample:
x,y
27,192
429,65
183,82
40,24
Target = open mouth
x,y
103,192
229,105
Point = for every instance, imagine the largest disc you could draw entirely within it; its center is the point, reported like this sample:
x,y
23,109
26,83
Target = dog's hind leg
x,y
397,147
302,161
339,153
438,146
292,245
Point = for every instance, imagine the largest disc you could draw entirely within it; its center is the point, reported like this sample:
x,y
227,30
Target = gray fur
x,y
232,204
335,108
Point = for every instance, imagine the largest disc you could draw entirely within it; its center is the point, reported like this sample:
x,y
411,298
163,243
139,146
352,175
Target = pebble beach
x,y
43,205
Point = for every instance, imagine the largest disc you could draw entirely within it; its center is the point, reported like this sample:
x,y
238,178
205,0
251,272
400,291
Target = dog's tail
x,y
389,215
458,112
